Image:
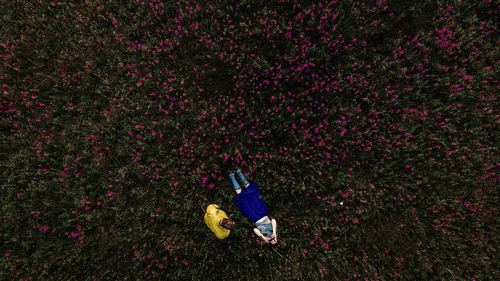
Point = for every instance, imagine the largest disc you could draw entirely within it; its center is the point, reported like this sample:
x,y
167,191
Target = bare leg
x,y
238,191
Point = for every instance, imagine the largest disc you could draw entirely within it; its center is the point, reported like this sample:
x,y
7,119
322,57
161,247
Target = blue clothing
x,y
265,226
250,203
235,183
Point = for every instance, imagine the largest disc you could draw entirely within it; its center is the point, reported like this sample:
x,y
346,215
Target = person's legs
x,y
243,179
236,185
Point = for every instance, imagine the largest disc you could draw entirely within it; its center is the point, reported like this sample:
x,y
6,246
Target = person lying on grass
x,y
218,221
254,208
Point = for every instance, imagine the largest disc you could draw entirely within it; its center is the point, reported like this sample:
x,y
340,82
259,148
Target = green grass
x,y
110,121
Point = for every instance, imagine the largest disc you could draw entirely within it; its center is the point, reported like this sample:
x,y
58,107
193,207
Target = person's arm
x,y
273,223
257,232
211,210
229,215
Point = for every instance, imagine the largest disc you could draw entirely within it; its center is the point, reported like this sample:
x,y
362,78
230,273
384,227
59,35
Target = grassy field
x,y
370,126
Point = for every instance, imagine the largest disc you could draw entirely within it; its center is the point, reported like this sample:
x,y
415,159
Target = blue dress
x,y
250,203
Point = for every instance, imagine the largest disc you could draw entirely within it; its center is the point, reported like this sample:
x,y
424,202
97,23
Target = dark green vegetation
x,y
120,120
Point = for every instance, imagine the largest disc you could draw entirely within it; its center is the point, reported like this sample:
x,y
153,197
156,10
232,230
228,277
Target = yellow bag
x,y
212,218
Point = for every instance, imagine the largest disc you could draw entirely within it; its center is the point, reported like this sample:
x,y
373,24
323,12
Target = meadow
x,y
371,128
